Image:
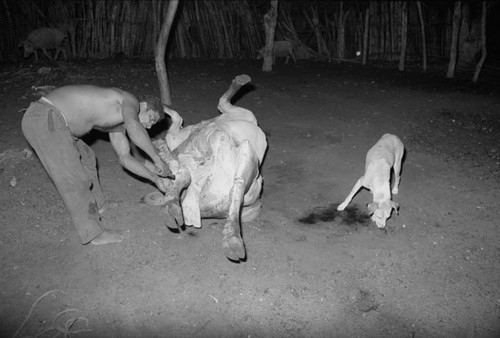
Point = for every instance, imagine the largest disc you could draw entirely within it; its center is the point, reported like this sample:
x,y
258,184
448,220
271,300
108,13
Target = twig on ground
x,y
33,307
64,329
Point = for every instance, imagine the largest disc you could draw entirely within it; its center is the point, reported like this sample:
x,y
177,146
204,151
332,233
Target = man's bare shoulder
x,y
127,98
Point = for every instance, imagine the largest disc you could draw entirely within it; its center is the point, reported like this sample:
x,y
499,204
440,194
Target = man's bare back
x,y
88,107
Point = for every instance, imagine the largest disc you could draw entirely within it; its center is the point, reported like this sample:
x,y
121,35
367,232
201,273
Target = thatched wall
x,y
227,29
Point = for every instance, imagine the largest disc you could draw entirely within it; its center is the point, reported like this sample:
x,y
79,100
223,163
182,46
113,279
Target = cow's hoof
x,y
234,249
154,198
173,214
242,79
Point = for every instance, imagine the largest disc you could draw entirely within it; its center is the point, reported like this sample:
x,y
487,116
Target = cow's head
x,y
382,211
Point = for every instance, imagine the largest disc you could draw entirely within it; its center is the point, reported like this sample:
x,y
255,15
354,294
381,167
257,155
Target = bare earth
x,y
310,271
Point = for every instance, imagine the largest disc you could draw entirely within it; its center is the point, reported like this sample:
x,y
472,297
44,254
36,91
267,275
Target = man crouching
x,y
54,125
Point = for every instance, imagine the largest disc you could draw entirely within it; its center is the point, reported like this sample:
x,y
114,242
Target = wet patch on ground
x,y
352,215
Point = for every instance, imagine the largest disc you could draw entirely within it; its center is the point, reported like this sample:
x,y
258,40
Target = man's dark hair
x,y
153,103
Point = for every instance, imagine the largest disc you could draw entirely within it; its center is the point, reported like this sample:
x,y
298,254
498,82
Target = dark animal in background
x,y
45,39
281,49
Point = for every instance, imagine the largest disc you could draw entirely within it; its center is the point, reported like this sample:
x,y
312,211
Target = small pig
x,y
282,48
44,38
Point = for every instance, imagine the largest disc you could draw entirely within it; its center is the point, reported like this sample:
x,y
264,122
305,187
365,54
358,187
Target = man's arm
x,y
139,136
122,147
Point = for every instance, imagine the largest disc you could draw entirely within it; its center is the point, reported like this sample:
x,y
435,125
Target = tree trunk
x,y
392,32
483,44
366,36
9,20
114,11
161,69
270,27
341,19
404,34
454,40
422,30
315,24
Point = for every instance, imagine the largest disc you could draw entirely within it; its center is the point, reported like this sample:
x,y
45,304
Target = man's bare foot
x,y
108,237
107,206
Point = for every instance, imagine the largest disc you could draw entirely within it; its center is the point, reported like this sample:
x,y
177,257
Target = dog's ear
x,y
372,207
395,206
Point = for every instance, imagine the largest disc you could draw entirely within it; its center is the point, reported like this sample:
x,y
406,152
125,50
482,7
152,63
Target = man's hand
x,y
162,169
163,184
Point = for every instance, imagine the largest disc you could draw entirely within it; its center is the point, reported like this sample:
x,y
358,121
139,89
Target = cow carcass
x,y
217,170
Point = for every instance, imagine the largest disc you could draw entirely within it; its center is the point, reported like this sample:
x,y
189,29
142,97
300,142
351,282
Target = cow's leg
x,y
236,84
230,111
170,200
173,210
253,205
246,170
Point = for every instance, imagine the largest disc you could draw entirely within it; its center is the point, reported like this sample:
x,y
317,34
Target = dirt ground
x,y
310,271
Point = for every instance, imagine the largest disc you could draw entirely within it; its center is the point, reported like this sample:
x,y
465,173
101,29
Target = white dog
x,y
387,153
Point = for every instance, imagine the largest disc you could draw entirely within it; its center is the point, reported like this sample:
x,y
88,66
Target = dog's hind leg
x,y
397,173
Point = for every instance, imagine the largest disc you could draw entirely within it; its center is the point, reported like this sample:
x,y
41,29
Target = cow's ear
x,y
395,206
20,44
372,207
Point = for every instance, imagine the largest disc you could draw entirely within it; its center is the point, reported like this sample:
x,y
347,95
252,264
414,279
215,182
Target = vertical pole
x,y
454,40
483,44
270,27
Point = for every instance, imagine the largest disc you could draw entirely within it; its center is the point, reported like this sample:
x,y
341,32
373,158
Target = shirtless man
x,y
54,125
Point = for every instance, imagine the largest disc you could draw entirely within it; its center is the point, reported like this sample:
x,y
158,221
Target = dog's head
x,y
382,211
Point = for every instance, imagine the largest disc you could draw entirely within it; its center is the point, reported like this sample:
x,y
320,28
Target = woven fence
x,y
225,28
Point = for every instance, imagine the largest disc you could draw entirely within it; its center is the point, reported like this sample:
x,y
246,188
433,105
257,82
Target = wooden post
x,y
366,35
112,33
9,20
340,23
454,40
404,34
161,69
422,32
483,44
270,27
